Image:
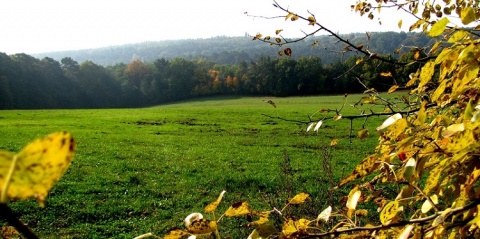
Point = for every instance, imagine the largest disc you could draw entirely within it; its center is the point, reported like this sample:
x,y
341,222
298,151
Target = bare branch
x,y
423,220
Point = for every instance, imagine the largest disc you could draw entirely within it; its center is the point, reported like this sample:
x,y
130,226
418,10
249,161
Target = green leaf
x,y
439,27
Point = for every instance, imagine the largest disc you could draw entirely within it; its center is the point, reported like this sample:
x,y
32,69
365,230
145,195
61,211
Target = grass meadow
x,y
143,170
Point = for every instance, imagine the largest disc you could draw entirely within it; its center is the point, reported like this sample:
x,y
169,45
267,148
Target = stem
x,y
4,198
7,214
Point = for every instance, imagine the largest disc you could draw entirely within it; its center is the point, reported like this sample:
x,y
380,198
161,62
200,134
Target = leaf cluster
x,y
423,176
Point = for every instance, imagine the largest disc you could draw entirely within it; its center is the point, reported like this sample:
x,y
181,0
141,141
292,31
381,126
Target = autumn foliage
x,y
428,151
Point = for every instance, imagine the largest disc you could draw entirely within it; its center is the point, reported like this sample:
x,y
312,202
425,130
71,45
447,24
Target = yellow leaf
x,y
426,74
386,74
258,36
421,114
439,27
202,226
176,234
433,180
337,117
469,73
278,39
453,129
299,198
212,206
358,61
457,36
333,142
467,15
291,227
263,218
311,20
361,212
37,167
278,31
397,128
363,133
417,24
476,220
289,15
364,168
427,206
389,121
294,18
417,55
443,55
388,212
238,209
400,23
393,89
468,112
439,91
436,46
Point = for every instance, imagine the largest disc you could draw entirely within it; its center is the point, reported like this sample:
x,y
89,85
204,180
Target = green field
x,y
143,170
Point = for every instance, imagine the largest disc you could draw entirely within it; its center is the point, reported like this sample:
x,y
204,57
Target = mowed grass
x,y
143,170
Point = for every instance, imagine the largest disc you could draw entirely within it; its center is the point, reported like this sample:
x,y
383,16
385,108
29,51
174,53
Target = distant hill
x,y
233,50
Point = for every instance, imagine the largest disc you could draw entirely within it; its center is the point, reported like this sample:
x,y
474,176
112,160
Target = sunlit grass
x,y
144,170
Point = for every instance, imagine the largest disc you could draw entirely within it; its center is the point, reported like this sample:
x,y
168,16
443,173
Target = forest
x,y
29,82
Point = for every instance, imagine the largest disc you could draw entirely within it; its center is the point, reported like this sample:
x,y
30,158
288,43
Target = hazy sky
x,y
34,26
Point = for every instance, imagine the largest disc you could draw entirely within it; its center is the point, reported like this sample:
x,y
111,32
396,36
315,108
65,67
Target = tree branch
x,y
7,214
423,220
365,52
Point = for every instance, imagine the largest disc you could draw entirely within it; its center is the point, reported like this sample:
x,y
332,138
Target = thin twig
x,y
423,220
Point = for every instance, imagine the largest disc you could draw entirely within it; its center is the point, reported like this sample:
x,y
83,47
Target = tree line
x,y
30,83
234,50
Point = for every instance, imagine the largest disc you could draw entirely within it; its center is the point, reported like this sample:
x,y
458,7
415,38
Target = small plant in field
x,y
31,173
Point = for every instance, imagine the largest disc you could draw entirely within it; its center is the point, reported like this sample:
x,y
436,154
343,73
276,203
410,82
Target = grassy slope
x,y
144,170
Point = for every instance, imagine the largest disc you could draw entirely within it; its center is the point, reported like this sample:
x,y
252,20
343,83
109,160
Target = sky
x,y
38,26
